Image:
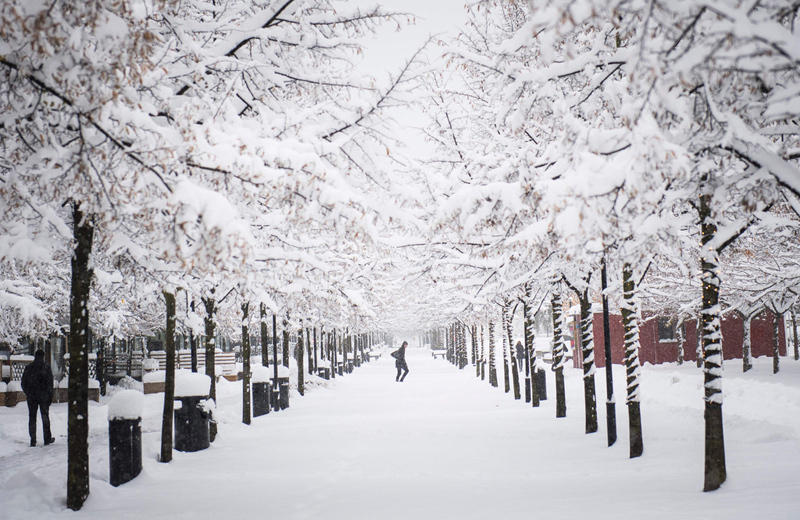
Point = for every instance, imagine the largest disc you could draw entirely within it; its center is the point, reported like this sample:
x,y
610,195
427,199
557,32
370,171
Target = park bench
x,y
438,352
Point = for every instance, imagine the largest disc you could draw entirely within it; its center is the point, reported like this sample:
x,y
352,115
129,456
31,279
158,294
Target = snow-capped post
x,y
531,390
715,471
210,347
264,336
611,412
124,436
299,354
246,398
632,369
169,378
78,389
587,353
558,355
492,364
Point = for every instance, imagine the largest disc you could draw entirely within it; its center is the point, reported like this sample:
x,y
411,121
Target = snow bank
x,y
92,355
14,386
191,384
64,383
126,404
2,386
282,371
150,364
260,374
94,383
21,357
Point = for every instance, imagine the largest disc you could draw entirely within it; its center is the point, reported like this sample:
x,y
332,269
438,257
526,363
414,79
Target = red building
x,y
659,339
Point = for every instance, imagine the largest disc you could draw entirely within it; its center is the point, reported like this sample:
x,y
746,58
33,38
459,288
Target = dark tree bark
x,y
475,359
530,367
587,353
299,355
193,345
246,399
715,470
492,365
558,356
776,353
611,412
78,389
275,350
794,336
308,351
632,369
169,379
316,358
286,343
512,353
210,348
747,351
264,337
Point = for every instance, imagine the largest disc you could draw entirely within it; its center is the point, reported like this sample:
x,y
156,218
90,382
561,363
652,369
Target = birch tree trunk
x,y
632,368
78,389
169,380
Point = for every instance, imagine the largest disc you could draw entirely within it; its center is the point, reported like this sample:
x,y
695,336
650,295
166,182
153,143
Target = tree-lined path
x,y
441,445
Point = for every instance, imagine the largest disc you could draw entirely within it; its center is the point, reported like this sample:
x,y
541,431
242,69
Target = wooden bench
x,y
438,353
224,362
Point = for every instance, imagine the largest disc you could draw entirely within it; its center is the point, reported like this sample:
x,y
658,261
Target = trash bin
x,y
262,394
124,436
191,423
283,389
324,372
349,366
192,412
339,368
541,384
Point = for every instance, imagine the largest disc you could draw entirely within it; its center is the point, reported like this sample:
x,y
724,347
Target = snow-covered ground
x,y
441,445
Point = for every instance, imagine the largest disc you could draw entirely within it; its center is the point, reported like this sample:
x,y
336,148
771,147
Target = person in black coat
x,y
37,383
400,362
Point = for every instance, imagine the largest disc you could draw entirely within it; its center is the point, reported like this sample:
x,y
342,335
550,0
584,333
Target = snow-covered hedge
x,y
126,404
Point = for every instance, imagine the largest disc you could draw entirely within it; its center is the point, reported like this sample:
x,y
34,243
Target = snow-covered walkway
x,y
441,445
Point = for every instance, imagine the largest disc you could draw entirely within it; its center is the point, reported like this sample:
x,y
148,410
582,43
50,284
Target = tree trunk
x,y
492,365
611,412
246,400
308,351
506,381
558,356
264,337
699,340
587,352
776,353
483,357
275,350
794,337
747,344
78,389
299,354
316,358
715,471
286,343
681,339
632,368
531,366
210,348
512,349
192,345
169,380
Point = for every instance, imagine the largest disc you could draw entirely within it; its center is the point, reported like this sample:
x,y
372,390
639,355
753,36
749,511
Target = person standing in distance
x,y
400,362
37,383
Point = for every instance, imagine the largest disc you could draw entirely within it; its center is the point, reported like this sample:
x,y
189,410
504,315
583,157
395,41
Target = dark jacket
x,y
37,382
400,356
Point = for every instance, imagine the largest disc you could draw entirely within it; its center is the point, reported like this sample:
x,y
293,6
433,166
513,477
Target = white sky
x,y
389,49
